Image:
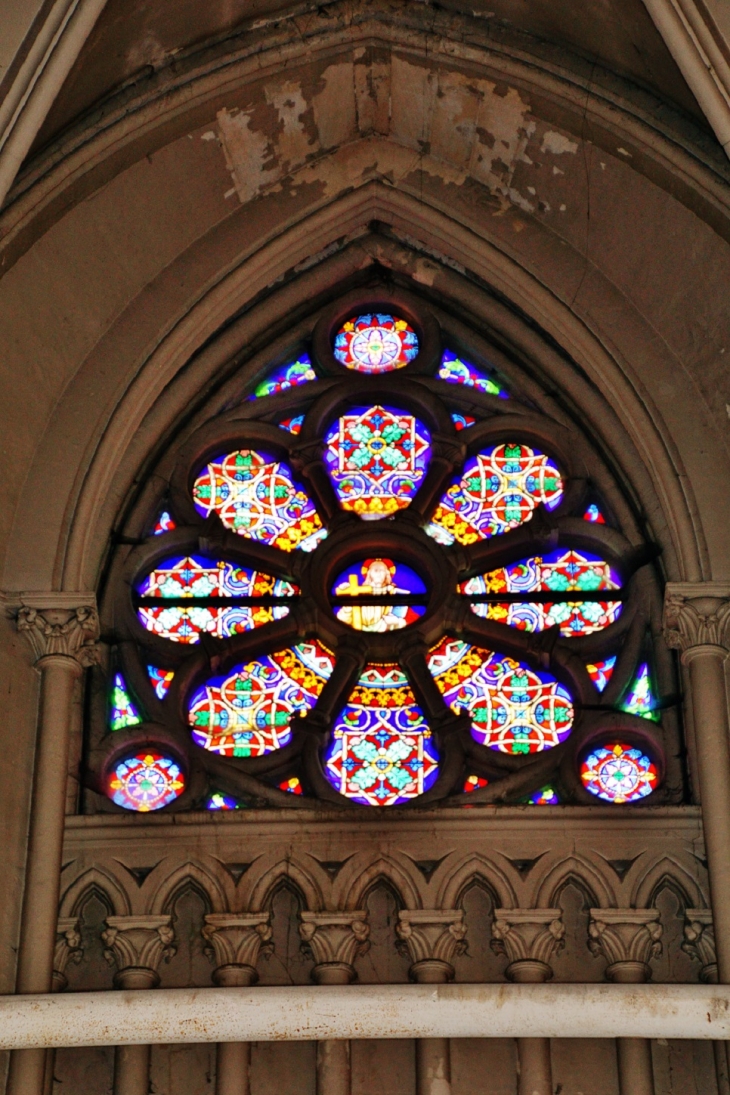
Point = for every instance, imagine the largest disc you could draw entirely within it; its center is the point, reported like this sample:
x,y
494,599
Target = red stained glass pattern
x,y
145,782
248,712
160,679
463,421
376,343
594,515
498,490
292,786
513,708
378,579
473,783
164,523
544,797
619,773
381,752
601,672
293,425
256,496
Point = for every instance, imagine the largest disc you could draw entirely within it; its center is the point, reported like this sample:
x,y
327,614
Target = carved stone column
x,y
529,938
136,945
697,622
68,949
62,637
335,940
628,939
699,943
433,937
234,943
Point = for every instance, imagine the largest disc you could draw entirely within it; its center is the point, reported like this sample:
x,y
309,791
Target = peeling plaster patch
x,y
334,106
209,136
624,152
292,141
557,143
244,149
425,272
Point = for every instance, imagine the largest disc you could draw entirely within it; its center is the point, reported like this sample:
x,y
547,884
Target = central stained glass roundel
x,y
377,457
378,595
375,343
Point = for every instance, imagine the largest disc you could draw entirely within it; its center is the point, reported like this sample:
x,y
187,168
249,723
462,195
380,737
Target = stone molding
x,y
628,939
67,949
335,939
529,938
234,942
61,632
699,942
136,945
433,937
697,614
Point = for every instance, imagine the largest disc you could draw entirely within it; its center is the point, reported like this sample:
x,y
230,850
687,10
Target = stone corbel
x,y
54,630
697,615
699,942
234,942
628,939
136,945
68,949
529,938
433,938
335,939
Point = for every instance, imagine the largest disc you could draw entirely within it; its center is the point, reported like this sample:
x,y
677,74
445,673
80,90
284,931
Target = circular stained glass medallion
x,y
378,595
619,773
145,782
375,343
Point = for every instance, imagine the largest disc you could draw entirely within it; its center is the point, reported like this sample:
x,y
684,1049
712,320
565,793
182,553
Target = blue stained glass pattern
x,y
640,699
601,672
619,773
219,801
463,421
544,797
288,376
122,711
457,371
164,523
375,343
160,679
293,425
146,781
380,578
594,515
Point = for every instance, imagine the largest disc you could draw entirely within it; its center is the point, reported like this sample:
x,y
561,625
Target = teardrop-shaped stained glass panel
x,y
122,711
288,376
619,773
376,457
162,607
456,371
641,699
379,595
146,781
248,711
513,708
381,751
255,495
554,577
375,343
497,491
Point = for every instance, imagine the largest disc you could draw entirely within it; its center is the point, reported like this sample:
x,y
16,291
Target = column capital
x,y
697,614
335,940
234,942
699,942
67,949
136,945
627,939
529,938
60,625
433,938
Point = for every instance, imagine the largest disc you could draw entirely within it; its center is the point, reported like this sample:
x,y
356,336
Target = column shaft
x,y
635,1070
232,1068
536,1075
131,1070
433,1066
333,1067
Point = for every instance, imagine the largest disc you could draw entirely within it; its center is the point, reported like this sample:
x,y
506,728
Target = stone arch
x,y
362,877
162,894
286,872
666,872
457,878
96,881
582,873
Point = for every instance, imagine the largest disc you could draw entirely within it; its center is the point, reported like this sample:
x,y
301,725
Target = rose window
x,y
381,579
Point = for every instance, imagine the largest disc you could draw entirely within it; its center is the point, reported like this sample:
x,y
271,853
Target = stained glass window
x,y
248,711
160,679
456,371
359,592
293,425
619,773
498,595
513,708
255,495
498,490
122,712
544,797
381,752
600,672
204,595
219,801
146,781
377,457
463,421
473,783
288,376
640,699
594,515
375,343
164,523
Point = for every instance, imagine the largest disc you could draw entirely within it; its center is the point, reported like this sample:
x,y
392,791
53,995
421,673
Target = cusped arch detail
x,y
260,892
458,877
161,894
667,872
96,881
584,874
362,877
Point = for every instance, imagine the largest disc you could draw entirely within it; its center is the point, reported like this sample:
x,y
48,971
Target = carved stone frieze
x,y
697,614
433,938
136,945
699,942
628,939
335,940
529,938
234,943
68,949
61,632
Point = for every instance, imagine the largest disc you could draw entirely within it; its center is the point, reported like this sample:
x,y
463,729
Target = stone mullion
x,y
447,454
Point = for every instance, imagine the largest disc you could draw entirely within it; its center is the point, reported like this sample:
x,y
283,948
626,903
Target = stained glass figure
x,y
288,376
381,751
376,343
544,797
473,783
255,495
160,679
248,711
367,583
601,672
377,457
619,773
293,425
513,708
146,781
189,587
463,421
122,712
292,786
164,523
219,801
498,490
457,371
594,515
549,576
640,699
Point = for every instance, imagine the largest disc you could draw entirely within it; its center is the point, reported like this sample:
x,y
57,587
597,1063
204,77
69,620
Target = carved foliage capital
x,y
65,632
699,941
335,938
67,949
528,935
432,935
138,943
236,940
697,615
626,938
